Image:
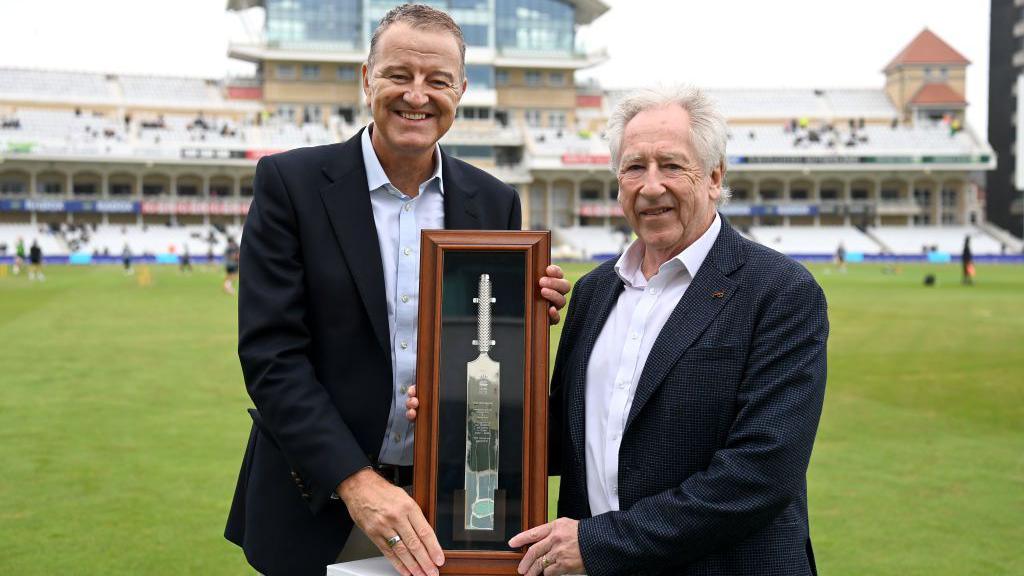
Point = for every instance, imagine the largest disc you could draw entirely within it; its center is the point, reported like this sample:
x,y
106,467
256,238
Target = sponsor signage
x,y
212,154
769,209
199,207
78,206
45,205
224,154
600,210
195,207
587,159
849,160
115,206
20,147
257,154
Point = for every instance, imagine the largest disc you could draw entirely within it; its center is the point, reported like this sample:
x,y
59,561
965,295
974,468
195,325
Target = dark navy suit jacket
x,y
314,343
713,462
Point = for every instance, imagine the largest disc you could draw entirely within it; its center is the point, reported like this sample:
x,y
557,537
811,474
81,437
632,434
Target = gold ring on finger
x,y
545,561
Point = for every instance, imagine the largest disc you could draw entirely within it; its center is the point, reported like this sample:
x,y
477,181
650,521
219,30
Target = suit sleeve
x,y
556,399
274,343
762,465
515,217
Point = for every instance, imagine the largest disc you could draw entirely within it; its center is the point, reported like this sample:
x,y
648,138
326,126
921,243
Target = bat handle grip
x,y
483,315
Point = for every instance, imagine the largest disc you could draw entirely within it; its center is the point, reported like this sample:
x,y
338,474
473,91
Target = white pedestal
x,y
378,566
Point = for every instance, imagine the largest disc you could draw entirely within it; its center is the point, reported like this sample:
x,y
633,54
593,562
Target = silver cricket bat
x,y
482,403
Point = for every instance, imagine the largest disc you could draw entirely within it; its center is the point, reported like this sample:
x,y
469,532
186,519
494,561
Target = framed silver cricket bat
x,y
481,376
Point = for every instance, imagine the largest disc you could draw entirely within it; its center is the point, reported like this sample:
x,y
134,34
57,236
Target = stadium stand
x,y
161,89
55,86
48,241
814,239
950,239
587,242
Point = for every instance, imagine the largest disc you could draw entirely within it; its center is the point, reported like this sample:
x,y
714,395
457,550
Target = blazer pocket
x,y
258,421
711,353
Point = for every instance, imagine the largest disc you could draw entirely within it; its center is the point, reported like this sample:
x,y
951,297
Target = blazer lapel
x,y
460,209
347,202
606,293
706,296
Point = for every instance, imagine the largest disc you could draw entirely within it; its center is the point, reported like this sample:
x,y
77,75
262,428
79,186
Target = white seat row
x,y
916,240
814,239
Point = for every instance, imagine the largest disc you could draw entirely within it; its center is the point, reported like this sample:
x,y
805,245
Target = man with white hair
x,y
689,378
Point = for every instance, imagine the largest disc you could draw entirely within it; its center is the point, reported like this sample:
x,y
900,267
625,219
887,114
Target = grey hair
x,y
708,129
418,16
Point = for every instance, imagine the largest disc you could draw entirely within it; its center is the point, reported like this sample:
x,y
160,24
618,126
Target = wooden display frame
x,y
435,245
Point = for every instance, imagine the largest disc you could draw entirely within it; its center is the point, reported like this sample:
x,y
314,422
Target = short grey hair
x,y
419,16
708,130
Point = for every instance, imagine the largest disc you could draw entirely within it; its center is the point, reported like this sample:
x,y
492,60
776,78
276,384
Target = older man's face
x,y
414,88
665,194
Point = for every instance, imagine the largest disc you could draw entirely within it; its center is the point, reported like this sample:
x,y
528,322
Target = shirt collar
x,y
690,259
375,175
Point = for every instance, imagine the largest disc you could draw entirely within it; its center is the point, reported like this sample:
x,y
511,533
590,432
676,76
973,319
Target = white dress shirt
x,y
621,351
399,220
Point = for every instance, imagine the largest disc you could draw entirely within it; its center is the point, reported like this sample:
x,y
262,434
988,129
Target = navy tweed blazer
x,y
713,462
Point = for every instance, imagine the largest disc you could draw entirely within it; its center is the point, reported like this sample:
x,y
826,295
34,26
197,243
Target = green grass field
x,y
122,423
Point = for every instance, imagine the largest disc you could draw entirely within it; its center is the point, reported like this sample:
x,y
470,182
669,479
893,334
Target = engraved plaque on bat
x,y
482,404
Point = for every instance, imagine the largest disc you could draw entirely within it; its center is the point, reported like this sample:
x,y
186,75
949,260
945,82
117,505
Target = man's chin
x,y
412,144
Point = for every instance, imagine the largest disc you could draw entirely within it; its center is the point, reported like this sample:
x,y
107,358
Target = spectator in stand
x,y
35,262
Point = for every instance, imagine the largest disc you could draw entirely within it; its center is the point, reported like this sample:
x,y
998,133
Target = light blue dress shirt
x,y
399,219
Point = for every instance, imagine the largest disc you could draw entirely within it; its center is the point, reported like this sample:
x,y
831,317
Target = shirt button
x,y
634,335
407,251
621,383
405,297
653,290
404,344
407,207
397,437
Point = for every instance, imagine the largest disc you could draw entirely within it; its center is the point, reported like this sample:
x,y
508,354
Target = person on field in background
x,y
126,259
185,262
35,262
19,255
841,257
231,260
967,263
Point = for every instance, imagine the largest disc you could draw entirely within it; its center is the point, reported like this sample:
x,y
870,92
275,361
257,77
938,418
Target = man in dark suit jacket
x,y
327,311
689,379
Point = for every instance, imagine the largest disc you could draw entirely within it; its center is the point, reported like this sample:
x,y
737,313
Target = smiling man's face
x,y
413,89
663,189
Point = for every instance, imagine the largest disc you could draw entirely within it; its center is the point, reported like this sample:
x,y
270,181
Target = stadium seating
x,y
814,239
48,242
141,89
155,240
54,86
916,240
795,103
587,241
